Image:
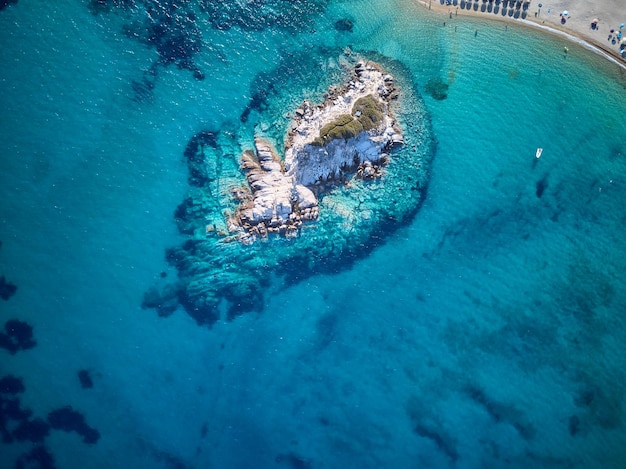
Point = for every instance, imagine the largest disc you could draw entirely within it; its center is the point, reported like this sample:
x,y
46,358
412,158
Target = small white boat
x,y
538,153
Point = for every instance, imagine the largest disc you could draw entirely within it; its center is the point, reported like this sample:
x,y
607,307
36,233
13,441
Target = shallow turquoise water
x,y
488,332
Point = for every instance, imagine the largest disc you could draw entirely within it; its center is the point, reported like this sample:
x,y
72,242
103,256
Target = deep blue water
x,y
488,331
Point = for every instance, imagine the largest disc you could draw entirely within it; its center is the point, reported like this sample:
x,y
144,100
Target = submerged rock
x,y
70,420
35,430
38,457
10,384
6,3
351,170
18,336
7,289
437,88
344,25
84,377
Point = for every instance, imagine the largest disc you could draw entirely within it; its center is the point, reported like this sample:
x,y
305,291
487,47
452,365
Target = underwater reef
x,y
174,28
18,425
7,289
18,335
350,170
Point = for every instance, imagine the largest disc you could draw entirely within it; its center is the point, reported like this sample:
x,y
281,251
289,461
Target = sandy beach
x,y
610,14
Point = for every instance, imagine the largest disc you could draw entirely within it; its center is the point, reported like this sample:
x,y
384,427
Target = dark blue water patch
x,y
541,186
187,217
573,425
11,411
143,89
327,329
522,340
169,26
168,460
295,70
437,88
35,430
175,36
299,267
258,102
493,228
69,420
443,442
37,458
196,157
502,412
18,336
617,150
17,424
244,294
164,299
292,461
533,459
174,28
596,405
7,289
425,425
344,25
6,3
598,402
586,291
585,397
11,385
85,379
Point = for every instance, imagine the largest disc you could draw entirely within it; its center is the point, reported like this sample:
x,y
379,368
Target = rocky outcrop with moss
x,y
353,131
349,136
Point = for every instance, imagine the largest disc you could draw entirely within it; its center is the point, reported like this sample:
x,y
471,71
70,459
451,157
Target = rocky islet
x,y
354,168
347,136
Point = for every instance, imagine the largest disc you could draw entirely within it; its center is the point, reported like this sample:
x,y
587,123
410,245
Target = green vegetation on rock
x,y
369,110
344,126
367,113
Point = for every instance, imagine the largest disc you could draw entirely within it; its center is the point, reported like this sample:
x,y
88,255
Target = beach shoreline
x,y
576,29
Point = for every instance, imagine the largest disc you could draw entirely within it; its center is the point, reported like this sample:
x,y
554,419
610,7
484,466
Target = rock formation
x,y
347,180
349,135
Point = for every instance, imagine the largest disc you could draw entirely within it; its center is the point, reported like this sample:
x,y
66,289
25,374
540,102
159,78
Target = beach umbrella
x,y
623,42
595,20
565,13
540,5
621,26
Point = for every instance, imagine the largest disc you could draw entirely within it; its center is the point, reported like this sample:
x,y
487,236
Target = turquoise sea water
x,y
486,332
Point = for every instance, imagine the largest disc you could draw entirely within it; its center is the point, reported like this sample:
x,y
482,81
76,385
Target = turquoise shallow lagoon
x,y
486,332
